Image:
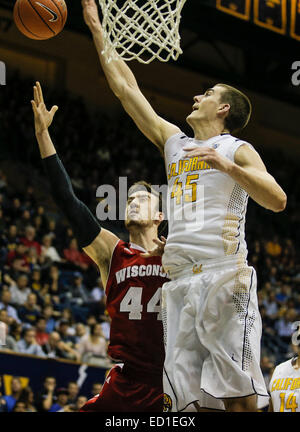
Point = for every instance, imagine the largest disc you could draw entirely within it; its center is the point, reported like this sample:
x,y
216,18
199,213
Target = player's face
x,y
205,106
141,209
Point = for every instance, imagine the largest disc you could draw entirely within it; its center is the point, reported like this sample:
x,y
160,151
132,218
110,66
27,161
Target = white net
x,y
141,29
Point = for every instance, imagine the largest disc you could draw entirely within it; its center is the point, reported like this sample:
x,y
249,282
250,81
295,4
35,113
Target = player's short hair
x,y
240,108
142,186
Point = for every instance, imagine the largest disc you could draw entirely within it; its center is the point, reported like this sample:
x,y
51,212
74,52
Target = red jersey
x,y
133,293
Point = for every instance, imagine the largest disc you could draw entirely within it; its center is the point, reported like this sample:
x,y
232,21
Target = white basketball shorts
x,y
212,332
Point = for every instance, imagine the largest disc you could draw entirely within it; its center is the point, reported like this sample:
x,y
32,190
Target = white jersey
x,y
284,388
206,207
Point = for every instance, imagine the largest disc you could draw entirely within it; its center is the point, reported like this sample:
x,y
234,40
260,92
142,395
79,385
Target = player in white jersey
x,y
211,319
284,387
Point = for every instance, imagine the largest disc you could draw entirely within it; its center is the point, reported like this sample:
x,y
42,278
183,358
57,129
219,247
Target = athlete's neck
x,y
143,237
204,131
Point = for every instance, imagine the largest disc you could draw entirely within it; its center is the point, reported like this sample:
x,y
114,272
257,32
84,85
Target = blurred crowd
x,y
51,297
50,397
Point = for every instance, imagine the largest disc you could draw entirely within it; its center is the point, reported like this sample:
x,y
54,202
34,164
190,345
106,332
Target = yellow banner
x,y
270,14
238,8
295,19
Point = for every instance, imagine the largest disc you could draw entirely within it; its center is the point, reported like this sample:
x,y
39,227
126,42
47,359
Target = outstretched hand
x,y
42,117
158,250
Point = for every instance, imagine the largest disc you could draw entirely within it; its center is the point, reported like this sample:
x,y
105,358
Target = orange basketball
x,y
40,19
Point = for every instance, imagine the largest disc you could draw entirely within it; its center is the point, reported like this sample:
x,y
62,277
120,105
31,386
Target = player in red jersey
x,y
133,279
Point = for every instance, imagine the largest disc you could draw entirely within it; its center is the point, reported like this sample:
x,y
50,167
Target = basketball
x,y
40,19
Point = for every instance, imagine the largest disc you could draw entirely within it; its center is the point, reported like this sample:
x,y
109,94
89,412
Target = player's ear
x,y
224,108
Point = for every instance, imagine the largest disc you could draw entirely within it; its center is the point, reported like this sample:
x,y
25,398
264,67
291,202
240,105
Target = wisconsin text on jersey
x,y
139,270
186,165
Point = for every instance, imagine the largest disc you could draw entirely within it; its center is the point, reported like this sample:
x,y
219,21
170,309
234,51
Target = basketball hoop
x,y
141,29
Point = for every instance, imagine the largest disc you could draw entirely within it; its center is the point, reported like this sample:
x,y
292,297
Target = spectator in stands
x,y
75,257
105,321
4,318
46,397
5,304
56,348
19,290
2,220
61,401
66,315
15,211
30,311
52,230
283,294
24,220
49,315
81,400
97,299
3,405
271,306
20,406
29,239
49,251
28,344
273,247
93,347
35,282
28,197
14,336
16,389
284,326
96,389
18,258
37,225
42,336
64,333
80,294
41,213
36,260
27,396
12,238
68,235
55,288
80,331
267,368
73,390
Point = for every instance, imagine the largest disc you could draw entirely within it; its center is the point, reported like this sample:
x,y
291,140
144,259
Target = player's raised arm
x,y
123,84
97,242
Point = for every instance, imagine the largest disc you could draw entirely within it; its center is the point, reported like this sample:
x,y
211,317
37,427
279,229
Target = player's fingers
x,y
35,95
145,255
187,148
53,110
40,92
191,154
158,242
163,239
34,107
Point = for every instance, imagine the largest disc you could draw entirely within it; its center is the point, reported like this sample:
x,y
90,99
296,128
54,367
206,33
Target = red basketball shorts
x,y
127,391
